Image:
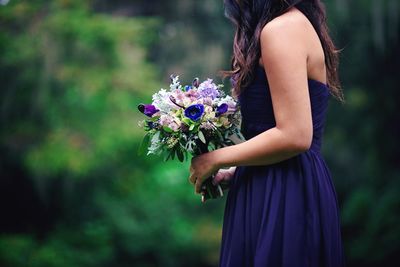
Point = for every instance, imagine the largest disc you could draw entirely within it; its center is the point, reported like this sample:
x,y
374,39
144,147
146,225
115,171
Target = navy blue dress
x,y
283,214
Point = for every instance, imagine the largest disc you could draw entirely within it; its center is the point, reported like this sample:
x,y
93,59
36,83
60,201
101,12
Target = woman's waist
x,y
308,155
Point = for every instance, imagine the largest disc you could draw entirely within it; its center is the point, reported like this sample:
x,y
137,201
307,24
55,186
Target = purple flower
x,y
208,89
148,109
194,112
221,109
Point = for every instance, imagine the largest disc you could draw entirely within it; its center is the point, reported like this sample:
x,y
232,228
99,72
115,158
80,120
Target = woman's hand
x,y
224,175
202,167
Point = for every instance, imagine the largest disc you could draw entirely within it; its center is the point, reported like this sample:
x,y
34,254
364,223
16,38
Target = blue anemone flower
x,y
194,112
221,109
188,87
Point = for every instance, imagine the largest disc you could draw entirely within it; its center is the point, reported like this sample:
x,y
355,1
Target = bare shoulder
x,y
289,28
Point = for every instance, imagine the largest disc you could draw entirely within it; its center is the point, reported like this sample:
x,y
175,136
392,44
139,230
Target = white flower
x,y
162,102
175,84
155,144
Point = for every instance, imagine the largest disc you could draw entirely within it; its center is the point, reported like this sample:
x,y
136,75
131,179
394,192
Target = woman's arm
x,y
284,56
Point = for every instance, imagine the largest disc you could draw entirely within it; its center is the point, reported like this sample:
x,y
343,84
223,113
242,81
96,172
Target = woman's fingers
x,y
223,175
197,185
192,179
219,176
192,176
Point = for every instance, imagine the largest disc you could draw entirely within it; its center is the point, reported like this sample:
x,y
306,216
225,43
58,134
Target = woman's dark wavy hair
x,y
250,16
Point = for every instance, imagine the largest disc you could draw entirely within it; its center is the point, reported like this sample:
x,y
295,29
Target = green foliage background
x,y
73,190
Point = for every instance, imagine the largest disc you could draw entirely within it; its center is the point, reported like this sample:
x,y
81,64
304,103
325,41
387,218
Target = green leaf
x,y
211,147
173,152
167,156
167,129
191,127
187,121
144,144
220,138
201,137
179,153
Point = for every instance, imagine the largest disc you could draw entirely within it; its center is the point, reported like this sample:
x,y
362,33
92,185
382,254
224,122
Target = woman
x,y
281,208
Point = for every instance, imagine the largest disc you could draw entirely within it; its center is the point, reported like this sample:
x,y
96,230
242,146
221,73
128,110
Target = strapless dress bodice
x,y
258,114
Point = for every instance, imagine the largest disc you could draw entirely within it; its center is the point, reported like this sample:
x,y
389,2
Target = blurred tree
x,y
362,145
194,38
73,191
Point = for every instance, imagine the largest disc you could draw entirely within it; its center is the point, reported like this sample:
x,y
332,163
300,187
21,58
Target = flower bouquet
x,y
190,120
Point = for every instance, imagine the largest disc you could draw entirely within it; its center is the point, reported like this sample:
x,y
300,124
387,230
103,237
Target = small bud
x,y
196,82
141,108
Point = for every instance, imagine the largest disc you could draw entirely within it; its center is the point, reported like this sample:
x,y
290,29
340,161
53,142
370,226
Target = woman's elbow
x,y
301,141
